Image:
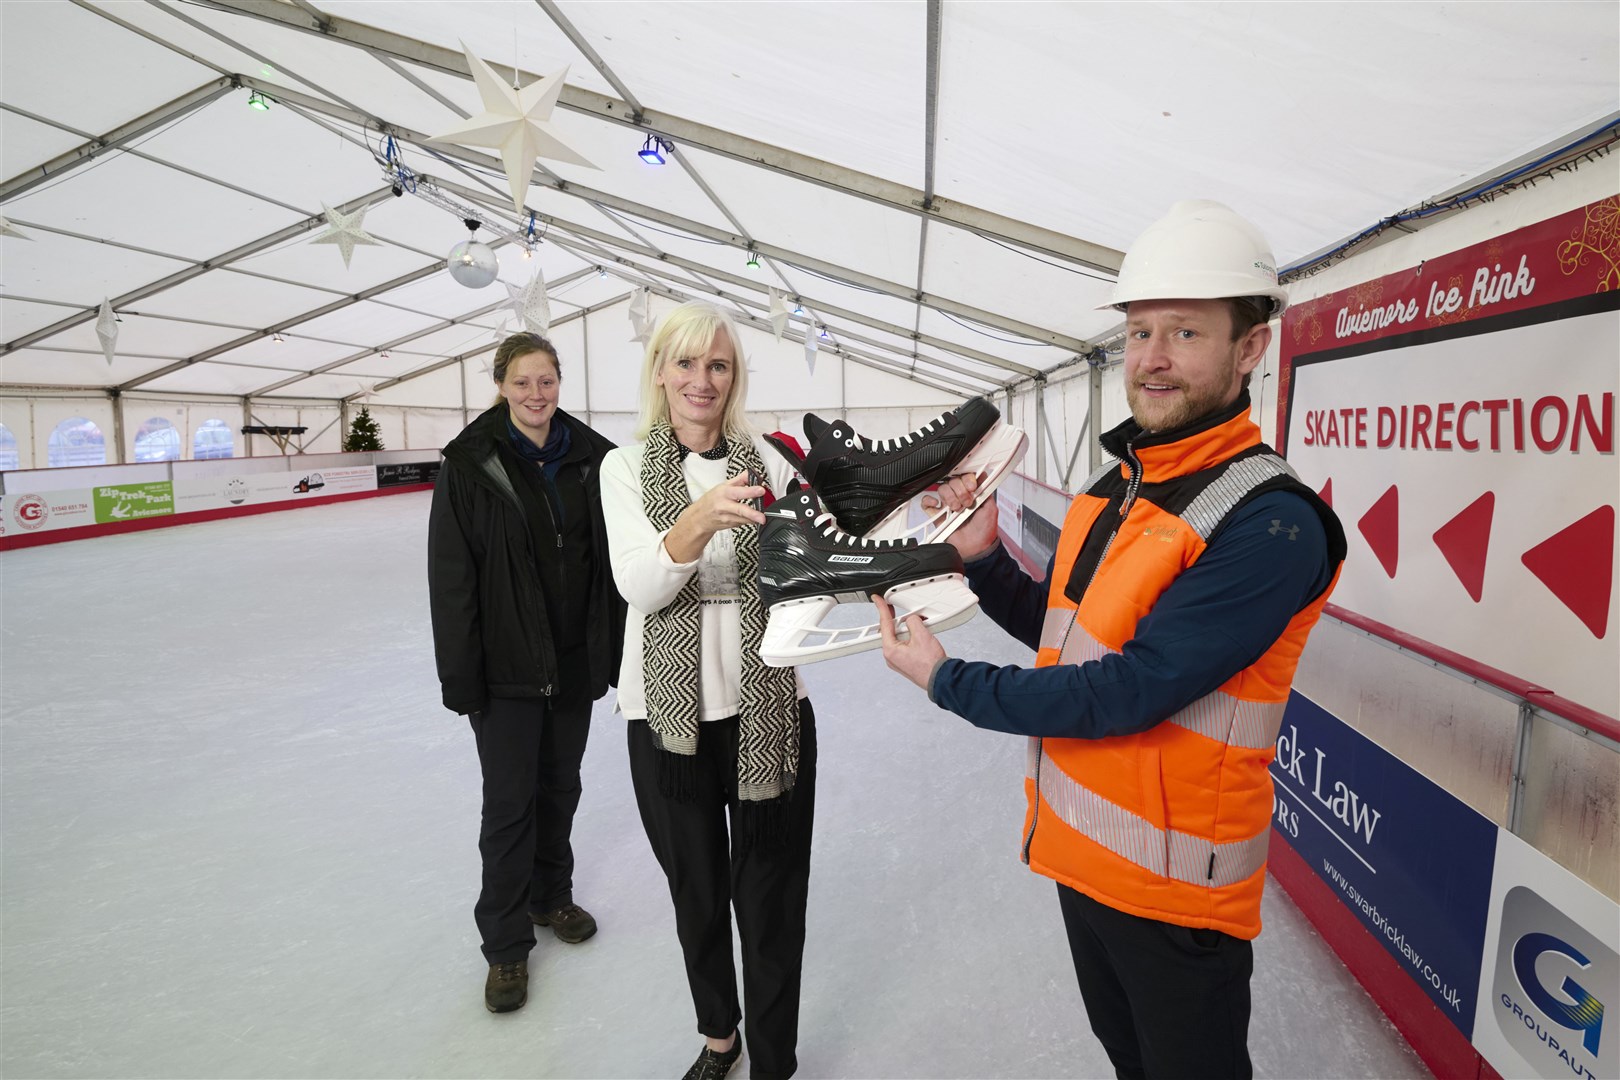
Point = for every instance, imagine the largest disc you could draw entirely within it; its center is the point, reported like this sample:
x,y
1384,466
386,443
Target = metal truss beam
x,y
611,241
688,133
650,277
697,229
401,342
253,247
95,146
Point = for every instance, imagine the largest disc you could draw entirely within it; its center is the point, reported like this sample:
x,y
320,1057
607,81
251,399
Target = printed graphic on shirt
x,y
717,572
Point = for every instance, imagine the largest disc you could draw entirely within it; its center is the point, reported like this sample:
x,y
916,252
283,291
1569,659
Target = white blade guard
x,y
794,635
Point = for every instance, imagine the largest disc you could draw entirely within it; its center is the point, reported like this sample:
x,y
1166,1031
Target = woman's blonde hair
x,y
689,331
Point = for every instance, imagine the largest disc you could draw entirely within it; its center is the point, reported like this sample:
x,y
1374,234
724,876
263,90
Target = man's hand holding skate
x,y
977,535
914,658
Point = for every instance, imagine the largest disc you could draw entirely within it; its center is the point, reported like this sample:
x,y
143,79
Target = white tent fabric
x,y
943,189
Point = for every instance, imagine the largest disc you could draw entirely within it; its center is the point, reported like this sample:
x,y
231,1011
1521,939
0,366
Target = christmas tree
x,y
363,432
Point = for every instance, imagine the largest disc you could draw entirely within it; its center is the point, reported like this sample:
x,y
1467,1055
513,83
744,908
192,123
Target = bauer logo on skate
x,y
1551,979
861,559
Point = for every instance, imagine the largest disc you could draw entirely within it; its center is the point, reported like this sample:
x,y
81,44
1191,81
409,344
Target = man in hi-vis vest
x,y
1189,572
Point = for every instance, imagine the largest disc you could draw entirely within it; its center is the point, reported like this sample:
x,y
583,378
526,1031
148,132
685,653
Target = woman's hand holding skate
x,y
722,507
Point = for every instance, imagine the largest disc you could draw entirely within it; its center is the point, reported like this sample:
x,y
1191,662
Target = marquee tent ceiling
x,y
944,187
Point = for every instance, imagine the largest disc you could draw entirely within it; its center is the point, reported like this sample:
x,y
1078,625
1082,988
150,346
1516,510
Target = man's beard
x,y
1192,403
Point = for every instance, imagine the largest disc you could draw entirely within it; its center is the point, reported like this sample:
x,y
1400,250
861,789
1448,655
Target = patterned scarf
x,y
768,725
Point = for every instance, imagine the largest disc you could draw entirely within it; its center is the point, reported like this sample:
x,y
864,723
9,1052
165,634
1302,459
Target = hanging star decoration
x,y
638,315
515,122
107,329
500,333
530,304
345,231
811,344
7,229
779,313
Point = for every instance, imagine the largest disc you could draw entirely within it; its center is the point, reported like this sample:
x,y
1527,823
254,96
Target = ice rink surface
x,y
240,840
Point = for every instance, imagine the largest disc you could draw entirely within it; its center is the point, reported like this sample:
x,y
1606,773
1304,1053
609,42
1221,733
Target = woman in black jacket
x,y
528,630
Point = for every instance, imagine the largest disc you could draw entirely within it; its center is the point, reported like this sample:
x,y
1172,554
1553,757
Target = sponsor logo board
x,y
131,502
1550,978
28,512
407,473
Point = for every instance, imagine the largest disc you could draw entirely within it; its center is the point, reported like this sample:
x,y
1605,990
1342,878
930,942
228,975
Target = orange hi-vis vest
x,y
1171,823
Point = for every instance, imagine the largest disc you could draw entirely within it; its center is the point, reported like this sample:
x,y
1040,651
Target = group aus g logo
x,y
1581,1012
1555,983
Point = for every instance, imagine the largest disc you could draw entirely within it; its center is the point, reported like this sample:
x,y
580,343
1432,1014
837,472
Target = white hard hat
x,y
1200,250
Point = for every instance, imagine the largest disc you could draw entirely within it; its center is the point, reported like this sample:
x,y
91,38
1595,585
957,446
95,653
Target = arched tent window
x,y
157,441
75,441
212,439
8,450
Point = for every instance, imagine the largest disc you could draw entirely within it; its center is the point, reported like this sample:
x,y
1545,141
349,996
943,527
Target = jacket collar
x,y
1188,449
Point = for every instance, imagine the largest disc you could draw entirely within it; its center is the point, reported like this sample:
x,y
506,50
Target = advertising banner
x,y
1409,860
1460,417
27,512
407,473
1550,978
130,502
332,481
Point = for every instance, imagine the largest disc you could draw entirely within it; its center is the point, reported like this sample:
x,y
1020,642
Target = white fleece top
x,y
649,579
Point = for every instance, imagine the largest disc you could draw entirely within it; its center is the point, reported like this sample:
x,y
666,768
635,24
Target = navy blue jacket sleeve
x,y
1217,618
1016,601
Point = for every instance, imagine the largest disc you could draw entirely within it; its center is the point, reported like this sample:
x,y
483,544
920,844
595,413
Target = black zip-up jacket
x,y
492,632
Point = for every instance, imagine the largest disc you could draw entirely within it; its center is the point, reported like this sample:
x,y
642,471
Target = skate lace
x,y
898,442
830,530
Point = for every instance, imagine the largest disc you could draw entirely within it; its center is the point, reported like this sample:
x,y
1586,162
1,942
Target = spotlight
x,y
277,338
601,272
256,101
825,336
383,354
528,253
753,261
653,150
798,309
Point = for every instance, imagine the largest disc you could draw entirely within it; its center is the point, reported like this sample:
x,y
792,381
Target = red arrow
x,y
1577,564
1381,526
1463,541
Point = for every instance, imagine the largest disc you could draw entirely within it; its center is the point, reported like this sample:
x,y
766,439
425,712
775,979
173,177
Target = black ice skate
x,y
808,566
868,483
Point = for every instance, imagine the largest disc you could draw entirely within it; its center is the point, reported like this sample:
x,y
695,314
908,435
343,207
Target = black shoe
x,y
807,566
507,987
863,481
712,1066
571,923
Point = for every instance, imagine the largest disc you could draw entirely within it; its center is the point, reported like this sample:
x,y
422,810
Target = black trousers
x,y
530,750
1165,1001
710,874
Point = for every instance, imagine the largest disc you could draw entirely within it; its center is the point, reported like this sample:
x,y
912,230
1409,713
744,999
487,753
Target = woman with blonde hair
x,y
527,630
722,748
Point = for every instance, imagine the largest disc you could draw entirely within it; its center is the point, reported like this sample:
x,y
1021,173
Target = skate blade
x,y
794,635
995,456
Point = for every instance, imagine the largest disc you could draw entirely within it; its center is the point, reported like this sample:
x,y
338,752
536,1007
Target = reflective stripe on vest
x,y
1239,478
1166,852
1253,725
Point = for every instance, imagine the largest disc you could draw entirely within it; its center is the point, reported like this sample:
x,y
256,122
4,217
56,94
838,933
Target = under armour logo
x,y
1278,527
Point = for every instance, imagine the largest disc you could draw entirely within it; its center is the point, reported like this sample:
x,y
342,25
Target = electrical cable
x,y
997,337
1031,255
1458,202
